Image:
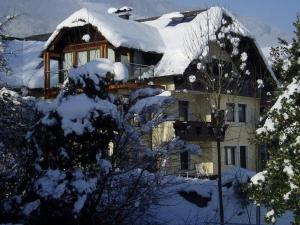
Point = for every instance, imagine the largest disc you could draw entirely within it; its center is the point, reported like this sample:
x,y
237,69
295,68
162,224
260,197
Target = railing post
x,y
46,74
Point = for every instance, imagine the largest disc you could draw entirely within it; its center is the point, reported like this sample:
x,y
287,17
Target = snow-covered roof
x,y
119,32
176,58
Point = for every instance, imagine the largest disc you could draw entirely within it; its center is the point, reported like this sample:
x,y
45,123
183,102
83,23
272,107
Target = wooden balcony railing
x,y
194,131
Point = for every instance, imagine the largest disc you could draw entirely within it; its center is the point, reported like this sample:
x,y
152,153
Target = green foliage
x,y
278,186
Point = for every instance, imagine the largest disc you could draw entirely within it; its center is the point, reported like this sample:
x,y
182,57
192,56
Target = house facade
x,y
164,50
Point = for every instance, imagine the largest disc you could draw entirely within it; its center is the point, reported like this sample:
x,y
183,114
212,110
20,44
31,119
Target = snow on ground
x,y
25,64
174,209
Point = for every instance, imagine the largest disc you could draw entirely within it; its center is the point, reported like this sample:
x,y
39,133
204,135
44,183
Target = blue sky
x,y
279,13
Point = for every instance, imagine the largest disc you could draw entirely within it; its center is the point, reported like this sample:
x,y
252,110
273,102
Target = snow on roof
x,y
119,32
177,38
23,60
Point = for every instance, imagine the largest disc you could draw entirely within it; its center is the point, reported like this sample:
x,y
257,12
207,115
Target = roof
x,y
119,32
179,37
170,34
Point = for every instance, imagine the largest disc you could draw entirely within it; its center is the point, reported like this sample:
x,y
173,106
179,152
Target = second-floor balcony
x,y
195,131
139,71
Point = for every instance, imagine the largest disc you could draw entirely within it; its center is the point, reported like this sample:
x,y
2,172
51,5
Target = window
x,y
184,160
183,107
82,58
94,54
230,112
111,54
242,112
125,59
229,155
243,156
68,61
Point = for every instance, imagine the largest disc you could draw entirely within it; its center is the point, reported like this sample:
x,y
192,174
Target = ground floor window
x,y
229,155
184,160
243,156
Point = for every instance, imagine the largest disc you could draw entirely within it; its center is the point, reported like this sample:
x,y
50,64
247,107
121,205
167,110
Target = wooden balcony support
x,y
47,74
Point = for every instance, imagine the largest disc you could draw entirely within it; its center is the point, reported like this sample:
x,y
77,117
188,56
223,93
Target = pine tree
x,y
278,186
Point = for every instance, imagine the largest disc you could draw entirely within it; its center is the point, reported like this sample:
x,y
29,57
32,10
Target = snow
x,y
176,58
97,69
120,71
258,178
51,184
270,124
260,83
192,78
112,10
78,205
76,112
86,38
117,31
244,57
158,100
23,59
173,209
30,207
172,15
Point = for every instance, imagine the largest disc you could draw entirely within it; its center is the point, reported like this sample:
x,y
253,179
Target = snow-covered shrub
x,y
86,161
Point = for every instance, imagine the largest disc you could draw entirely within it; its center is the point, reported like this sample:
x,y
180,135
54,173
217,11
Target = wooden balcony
x,y
194,131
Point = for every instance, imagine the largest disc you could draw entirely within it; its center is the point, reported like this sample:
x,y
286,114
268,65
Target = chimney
x,y
123,12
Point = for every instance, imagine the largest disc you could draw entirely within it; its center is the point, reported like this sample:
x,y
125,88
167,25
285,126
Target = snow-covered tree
x,y
285,56
88,158
214,74
4,21
277,187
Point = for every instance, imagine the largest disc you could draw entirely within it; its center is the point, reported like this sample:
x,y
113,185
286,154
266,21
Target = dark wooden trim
x,y
46,73
84,46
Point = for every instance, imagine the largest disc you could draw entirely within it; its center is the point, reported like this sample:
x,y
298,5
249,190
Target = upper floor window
x,y
229,155
111,54
230,112
94,54
82,58
242,112
183,107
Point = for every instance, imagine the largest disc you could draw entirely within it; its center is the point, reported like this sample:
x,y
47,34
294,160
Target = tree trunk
x,y
221,210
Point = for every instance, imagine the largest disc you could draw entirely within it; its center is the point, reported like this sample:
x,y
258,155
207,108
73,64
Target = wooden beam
x,y
84,46
46,74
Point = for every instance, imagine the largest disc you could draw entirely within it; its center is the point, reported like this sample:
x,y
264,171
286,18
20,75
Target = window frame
x,y
232,155
244,107
185,105
233,112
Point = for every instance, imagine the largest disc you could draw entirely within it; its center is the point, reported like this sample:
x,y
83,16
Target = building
x,y
166,51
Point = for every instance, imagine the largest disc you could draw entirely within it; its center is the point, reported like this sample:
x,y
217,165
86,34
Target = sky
x,y
279,13
266,19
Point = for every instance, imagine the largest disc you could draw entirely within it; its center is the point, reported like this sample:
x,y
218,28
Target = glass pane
x,y
138,58
94,54
111,54
230,112
183,110
125,59
242,113
82,58
68,61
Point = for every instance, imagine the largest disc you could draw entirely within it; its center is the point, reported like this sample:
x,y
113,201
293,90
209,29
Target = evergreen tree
x,y
278,186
